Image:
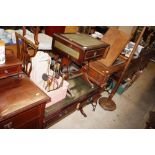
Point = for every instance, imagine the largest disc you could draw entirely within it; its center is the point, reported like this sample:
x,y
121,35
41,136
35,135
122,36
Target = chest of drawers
x,y
12,66
22,104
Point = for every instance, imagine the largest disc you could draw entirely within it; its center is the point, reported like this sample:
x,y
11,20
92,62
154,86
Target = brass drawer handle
x,y
60,115
66,112
8,125
6,71
78,106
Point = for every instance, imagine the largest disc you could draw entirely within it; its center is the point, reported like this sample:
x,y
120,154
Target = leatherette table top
x,y
83,39
18,94
79,88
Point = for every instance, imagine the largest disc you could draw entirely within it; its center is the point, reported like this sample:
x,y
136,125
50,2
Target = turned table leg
x,y
82,112
78,107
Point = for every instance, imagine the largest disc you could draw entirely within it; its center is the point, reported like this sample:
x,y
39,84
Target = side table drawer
x,y
52,119
94,53
97,77
5,72
22,120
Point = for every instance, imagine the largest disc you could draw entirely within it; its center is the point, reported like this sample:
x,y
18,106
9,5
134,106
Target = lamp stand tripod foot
x,y
107,104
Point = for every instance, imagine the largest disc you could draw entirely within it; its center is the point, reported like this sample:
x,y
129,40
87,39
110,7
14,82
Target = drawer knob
x,y
95,53
60,115
8,125
6,71
66,112
78,106
71,45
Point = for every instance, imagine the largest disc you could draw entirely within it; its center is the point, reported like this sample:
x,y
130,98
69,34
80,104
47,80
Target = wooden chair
x,y
43,41
25,51
28,45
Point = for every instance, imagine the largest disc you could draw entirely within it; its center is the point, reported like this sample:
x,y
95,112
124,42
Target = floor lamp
x,y
106,102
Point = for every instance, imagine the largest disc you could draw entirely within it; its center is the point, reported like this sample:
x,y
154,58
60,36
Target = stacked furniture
x,y
82,92
94,58
22,103
99,71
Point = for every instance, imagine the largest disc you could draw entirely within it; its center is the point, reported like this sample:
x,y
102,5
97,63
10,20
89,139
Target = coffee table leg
x,y
82,112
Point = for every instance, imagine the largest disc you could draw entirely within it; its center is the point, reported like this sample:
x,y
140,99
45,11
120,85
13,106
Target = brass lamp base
x,y
106,104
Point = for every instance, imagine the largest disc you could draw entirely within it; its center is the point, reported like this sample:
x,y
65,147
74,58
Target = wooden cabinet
x,y
22,104
99,73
